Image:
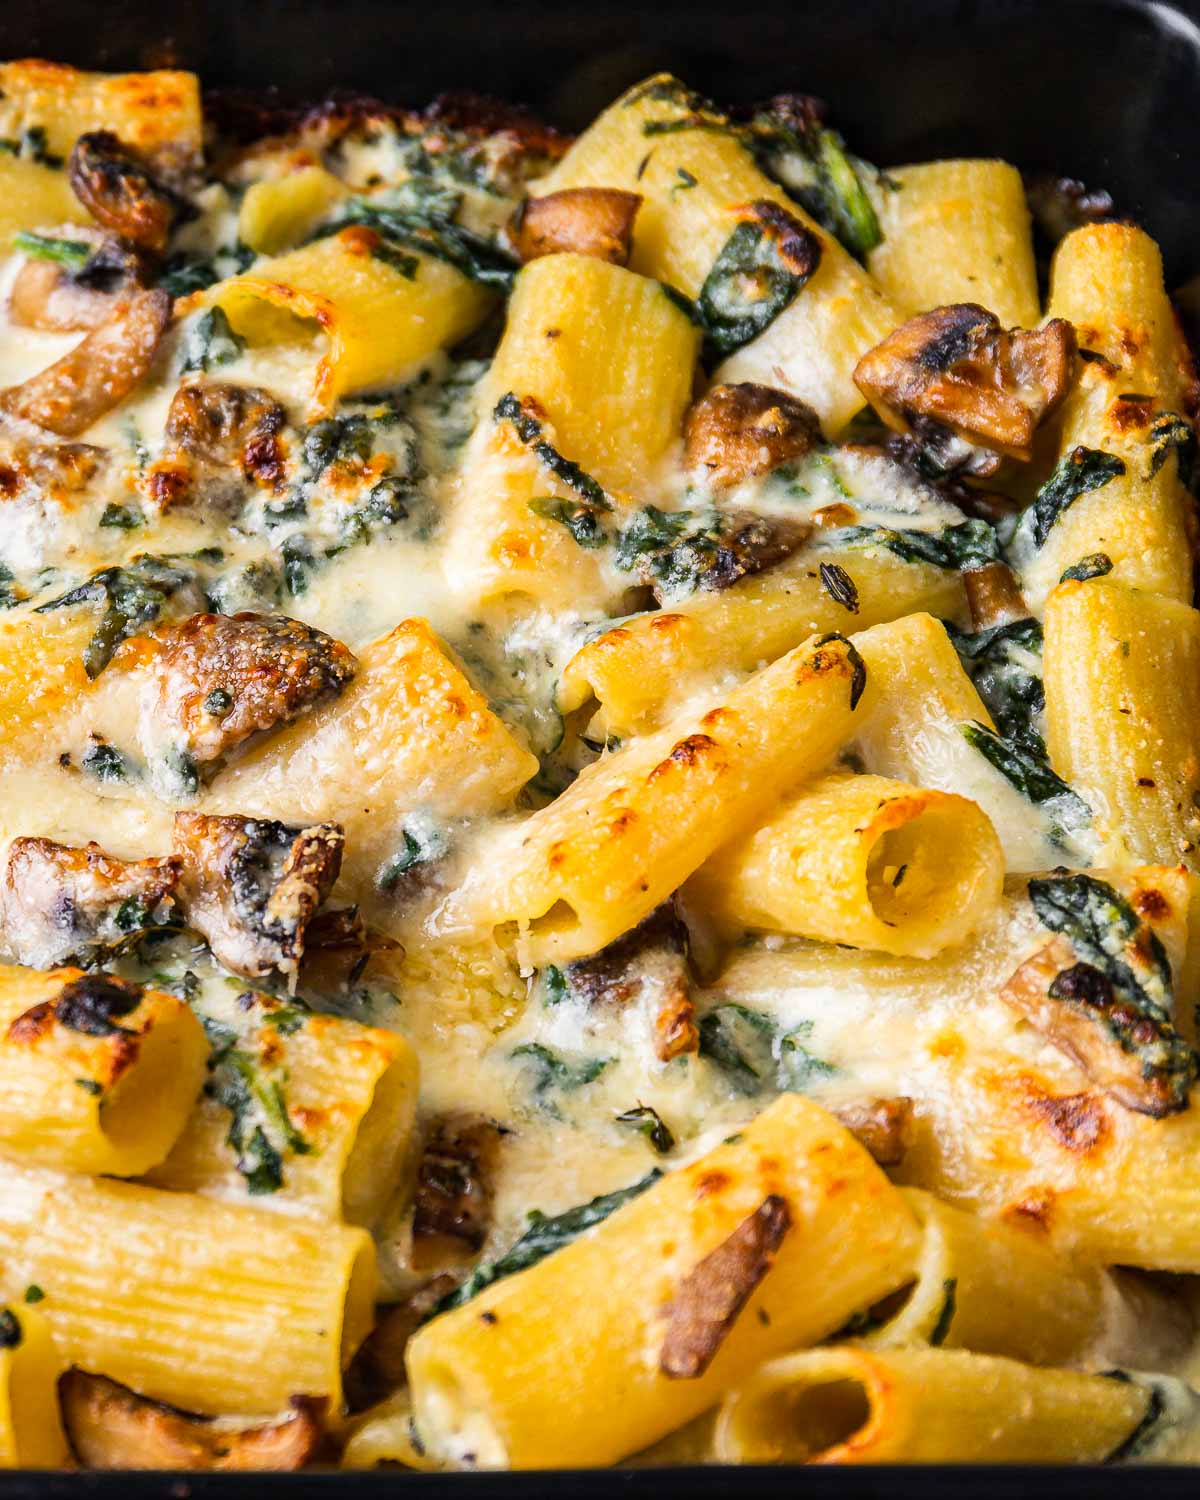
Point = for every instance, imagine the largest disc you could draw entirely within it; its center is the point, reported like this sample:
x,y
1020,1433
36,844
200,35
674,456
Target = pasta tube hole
x,y
809,1419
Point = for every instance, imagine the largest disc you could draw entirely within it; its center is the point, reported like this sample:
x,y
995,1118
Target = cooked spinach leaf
x,y
754,1054
553,1074
425,226
1134,998
1029,773
840,587
1005,663
542,1238
133,595
529,429
965,545
73,255
758,272
261,1132
1076,473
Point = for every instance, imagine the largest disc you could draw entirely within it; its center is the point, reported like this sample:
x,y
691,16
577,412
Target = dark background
x,y
1104,90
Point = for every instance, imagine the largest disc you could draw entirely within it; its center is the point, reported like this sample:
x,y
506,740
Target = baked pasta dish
x,y
599,794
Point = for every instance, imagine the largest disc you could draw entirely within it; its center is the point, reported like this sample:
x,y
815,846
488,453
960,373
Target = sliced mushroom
x,y
649,965
111,1427
738,431
53,297
713,1293
118,191
229,432
1131,1054
993,596
59,902
377,1369
957,368
883,1126
98,373
587,221
215,680
251,886
452,1209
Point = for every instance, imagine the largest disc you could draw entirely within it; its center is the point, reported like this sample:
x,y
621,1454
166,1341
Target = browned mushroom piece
x,y
251,886
587,221
229,432
377,1368
993,596
452,1207
737,431
111,1427
883,1126
647,965
60,902
101,370
119,192
957,368
713,1293
55,298
1134,1056
218,679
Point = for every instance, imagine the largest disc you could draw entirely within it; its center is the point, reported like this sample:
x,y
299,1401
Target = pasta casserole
x,y
599,794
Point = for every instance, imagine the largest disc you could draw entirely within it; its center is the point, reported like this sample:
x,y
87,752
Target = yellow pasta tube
x,y
351,1091
1107,279
609,358
915,731
636,824
606,360
641,671
211,1307
812,346
31,1431
281,211
380,311
863,861
41,671
95,1077
569,1362
847,1405
410,733
998,1288
156,113
1122,675
34,196
957,231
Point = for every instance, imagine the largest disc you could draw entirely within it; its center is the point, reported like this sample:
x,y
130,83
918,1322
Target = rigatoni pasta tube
x,y
31,1431
1122,675
847,1405
998,1288
382,311
276,214
957,231
641,671
1107,279
915,730
95,1077
863,861
561,1364
355,1089
812,347
157,113
636,824
211,1307
604,362
409,733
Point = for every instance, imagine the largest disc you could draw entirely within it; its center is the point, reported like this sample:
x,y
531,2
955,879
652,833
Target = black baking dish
x,y
1104,90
